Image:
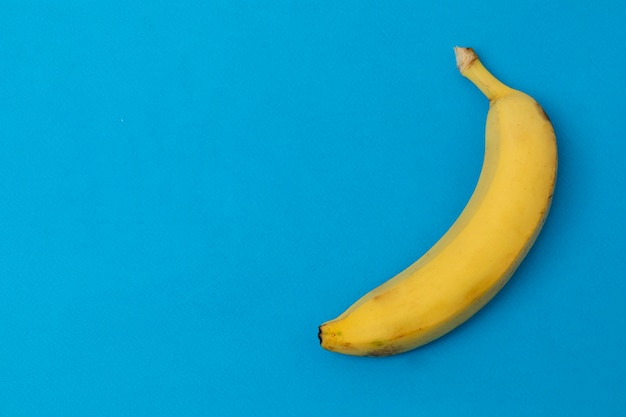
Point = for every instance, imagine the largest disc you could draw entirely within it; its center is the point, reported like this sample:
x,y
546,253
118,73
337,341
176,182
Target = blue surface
x,y
187,189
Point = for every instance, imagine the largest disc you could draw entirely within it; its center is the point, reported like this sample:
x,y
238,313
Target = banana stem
x,y
471,68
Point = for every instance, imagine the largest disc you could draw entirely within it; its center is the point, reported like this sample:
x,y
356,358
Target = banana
x,y
478,254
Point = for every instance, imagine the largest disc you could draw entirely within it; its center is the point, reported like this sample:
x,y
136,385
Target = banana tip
x,y
464,57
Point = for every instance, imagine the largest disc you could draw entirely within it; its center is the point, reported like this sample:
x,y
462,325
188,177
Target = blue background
x,y
188,189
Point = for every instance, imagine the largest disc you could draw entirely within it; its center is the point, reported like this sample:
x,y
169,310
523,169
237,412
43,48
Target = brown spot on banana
x,y
384,351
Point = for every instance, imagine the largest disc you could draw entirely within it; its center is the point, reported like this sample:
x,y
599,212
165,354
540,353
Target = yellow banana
x,y
475,258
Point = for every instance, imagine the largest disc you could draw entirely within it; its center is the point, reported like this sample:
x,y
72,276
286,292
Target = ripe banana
x,y
475,258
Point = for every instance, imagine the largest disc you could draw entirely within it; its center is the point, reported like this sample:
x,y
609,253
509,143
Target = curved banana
x,y
479,253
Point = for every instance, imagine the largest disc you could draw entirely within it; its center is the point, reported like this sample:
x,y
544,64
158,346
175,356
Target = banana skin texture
x,y
476,257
